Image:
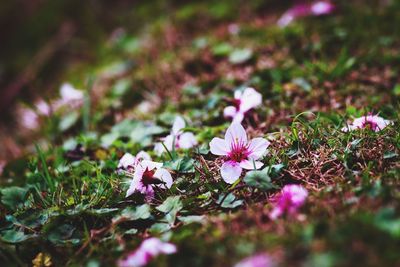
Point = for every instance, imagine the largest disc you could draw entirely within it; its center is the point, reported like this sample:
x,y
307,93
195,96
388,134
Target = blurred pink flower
x,y
28,118
149,174
147,251
322,8
242,103
316,8
233,29
43,108
2,165
239,153
373,122
291,198
181,139
128,162
70,96
258,260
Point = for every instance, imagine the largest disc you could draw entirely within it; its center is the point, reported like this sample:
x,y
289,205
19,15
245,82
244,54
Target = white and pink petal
x,y
187,140
258,147
235,134
126,161
250,99
230,111
230,171
178,125
219,147
251,164
165,177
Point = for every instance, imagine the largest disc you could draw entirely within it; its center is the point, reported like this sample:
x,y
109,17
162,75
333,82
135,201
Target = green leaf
x,y
121,87
259,179
62,234
191,90
182,165
192,219
171,206
160,228
29,219
138,131
134,213
240,56
102,211
229,202
131,231
390,155
386,221
222,49
68,121
15,236
302,83
396,90
142,133
14,197
109,138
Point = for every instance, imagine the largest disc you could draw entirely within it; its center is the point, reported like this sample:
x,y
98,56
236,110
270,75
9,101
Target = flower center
x,y
148,177
239,151
177,141
236,103
370,124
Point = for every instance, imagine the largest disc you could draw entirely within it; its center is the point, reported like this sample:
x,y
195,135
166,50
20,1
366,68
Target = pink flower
x,y
69,97
316,8
28,118
242,103
149,174
238,152
181,139
128,162
258,260
147,251
43,108
2,165
322,8
233,29
291,198
373,122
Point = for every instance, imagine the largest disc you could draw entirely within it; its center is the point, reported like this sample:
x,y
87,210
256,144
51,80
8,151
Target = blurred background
x,y
91,44
45,43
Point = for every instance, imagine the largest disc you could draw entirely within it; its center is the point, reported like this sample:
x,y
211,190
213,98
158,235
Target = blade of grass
x,y
48,179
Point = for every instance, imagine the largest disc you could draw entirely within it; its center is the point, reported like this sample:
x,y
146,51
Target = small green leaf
x,y
192,219
13,197
302,83
109,138
182,165
222,49
386,221
131,231
390,155
134,213
171,206
259,179
240,56
396,89
102,211
68,121
191,90
14,236
229,202
62,234
160,228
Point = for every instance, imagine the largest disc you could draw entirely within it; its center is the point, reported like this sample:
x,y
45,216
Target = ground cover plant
x,y
258,134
